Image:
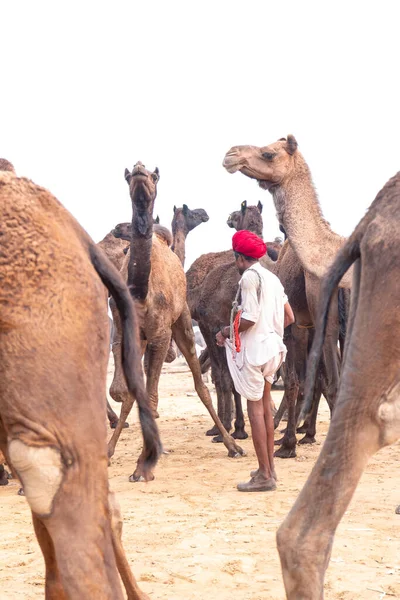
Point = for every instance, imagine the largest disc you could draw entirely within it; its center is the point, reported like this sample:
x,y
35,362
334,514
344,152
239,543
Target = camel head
x,y
248,217
5,165
269,165
143,191
186,219
123,231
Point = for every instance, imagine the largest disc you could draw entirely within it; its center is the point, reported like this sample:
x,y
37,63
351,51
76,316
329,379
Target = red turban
x,y
248,243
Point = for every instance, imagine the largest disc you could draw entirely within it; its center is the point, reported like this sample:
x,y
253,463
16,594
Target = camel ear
x,y
243,206
291,144
174,208
260,206
127,175
157,221
157,172
185,209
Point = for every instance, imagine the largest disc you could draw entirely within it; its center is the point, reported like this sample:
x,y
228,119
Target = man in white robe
x,y
265,312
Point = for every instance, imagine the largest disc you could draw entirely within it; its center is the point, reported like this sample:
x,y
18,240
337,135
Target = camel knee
x,y
389,415
40,471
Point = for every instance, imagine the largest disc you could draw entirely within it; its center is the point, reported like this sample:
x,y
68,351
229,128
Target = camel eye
x,y
269,155
155,177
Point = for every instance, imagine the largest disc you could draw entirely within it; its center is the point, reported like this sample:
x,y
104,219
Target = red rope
x,y
236,335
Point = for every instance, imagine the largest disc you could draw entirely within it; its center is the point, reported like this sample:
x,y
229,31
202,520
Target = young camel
x,y
367,413
157,282
54,350
281,169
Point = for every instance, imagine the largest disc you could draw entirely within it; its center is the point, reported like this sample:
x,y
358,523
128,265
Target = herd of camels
x,y
54,344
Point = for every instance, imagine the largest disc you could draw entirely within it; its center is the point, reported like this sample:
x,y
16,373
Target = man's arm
x,y
288,315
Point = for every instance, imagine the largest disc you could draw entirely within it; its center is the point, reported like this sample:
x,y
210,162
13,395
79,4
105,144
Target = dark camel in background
x,y
158,285
184,221
54,348
367,413
281,169
211,303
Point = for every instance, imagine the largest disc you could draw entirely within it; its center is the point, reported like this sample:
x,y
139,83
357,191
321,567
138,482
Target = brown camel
x,y
53,360
281,169
184,221
124,232
157,282
210,304
367,413
114,247
247,218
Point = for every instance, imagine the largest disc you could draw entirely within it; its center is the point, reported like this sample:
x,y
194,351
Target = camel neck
x,y
299,211
178,245
139,266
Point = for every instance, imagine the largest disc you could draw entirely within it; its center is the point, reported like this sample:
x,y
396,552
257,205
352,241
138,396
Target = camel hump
x,y
131,355
163,233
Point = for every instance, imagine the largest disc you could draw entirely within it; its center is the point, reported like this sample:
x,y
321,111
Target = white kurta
x,y
262,348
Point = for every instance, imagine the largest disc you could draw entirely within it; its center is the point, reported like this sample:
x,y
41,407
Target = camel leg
x,y
131,587
239,433
224,398
113,417
156,353
311,422
54,589
184,337
3,476
366,418
289,441
279,413
222,382
70,492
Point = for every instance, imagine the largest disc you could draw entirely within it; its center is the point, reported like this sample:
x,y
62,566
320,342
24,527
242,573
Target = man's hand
x,y
221,336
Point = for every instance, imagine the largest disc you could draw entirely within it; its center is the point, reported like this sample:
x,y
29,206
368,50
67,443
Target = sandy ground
x,y
191,535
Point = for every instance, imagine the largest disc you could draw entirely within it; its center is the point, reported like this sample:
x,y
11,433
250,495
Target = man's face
x,y
240,263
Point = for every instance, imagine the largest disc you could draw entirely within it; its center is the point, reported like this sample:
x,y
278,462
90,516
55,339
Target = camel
x,y
281,169
184,221
123,231
367,413
157,283
114,247
248,217
53,357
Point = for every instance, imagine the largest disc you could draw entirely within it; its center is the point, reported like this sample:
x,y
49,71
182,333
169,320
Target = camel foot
x,y
302,429
285,452
307,439
279,442
397,511
218,439
113,424
4,478
236,452
240,434
21,492
213,431
137,477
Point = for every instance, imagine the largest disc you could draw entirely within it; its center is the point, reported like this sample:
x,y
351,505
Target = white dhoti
x,y
249,379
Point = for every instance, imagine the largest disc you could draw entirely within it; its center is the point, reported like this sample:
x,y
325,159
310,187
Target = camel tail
x,y
346,256
131,355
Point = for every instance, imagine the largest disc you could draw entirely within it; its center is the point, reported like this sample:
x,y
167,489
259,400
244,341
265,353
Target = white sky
x,y
89,89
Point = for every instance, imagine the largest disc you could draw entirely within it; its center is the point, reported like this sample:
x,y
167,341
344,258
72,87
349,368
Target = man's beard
x,y
241,270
